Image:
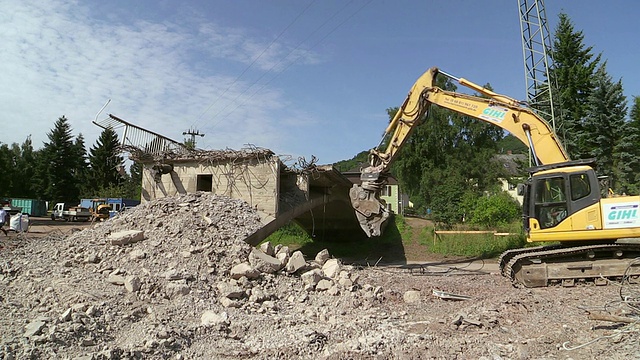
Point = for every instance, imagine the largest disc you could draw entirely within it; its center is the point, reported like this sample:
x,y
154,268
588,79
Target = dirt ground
x,y
60,298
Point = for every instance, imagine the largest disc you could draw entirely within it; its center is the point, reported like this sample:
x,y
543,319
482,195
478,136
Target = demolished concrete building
x,y
315,197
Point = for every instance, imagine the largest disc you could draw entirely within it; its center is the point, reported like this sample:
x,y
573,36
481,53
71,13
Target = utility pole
x,y
193,132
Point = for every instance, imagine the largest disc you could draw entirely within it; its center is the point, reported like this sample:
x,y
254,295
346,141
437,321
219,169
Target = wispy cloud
x,y
56,59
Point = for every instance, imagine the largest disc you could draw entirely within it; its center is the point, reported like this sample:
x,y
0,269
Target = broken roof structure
x,y
315,197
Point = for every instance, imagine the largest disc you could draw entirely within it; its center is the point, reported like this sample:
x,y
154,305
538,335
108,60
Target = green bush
x,y
495,210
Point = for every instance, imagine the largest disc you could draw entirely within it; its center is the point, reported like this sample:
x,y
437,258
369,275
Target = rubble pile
x,y
173,279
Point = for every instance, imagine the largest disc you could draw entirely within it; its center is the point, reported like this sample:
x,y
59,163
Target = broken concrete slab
x,y
126,237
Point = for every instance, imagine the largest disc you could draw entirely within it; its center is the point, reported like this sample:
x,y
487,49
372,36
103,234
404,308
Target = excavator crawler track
x,y
567,266
506,256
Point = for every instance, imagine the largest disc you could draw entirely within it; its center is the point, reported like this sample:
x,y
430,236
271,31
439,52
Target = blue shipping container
x,y
117,204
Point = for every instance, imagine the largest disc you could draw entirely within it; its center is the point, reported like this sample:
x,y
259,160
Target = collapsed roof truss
x,y
141,139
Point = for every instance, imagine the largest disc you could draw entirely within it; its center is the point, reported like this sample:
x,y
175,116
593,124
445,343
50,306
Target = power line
x,y
253,62
294,61
193,133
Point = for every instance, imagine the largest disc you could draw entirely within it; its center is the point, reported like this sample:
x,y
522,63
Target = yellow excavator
x,y
99,209
594,238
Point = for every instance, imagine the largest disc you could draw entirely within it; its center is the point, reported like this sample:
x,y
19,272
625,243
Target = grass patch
x,y
388,246
485,245
400,236
475,245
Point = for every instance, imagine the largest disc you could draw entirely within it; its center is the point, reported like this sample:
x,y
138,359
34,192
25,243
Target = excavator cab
x,y
559,193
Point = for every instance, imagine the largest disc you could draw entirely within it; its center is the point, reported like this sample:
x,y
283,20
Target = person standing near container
x,y
3,218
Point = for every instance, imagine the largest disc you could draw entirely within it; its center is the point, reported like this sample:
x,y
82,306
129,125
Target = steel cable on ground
x,y
628,291
292,62
253,62
629,297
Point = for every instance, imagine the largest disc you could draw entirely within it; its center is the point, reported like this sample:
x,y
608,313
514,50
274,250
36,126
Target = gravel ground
x,y
172,279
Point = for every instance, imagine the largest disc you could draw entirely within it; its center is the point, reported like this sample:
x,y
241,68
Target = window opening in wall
x,y
204,182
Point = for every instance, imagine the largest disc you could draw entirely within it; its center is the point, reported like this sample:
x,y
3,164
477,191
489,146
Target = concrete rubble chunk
x,y
281,248
331,268
312,277
322,256
80,307
132,283
334,291
324,285
211,318
66,315
296,262
229,303
283,258
230,291
258,295
116,279
244,269
172,275
137,254
174,290
34,328
126,237
411,297
267,248
345,282
263,262
92,258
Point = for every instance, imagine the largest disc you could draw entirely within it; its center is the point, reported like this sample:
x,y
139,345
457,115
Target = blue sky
x,y
299,77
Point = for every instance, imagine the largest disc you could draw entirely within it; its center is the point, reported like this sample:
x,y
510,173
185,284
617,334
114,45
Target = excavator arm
x,y
500,110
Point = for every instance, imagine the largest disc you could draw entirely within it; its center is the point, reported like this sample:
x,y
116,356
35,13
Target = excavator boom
x,y
500,110
595,238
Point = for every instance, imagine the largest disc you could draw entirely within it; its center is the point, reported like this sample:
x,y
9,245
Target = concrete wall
x,y
255,181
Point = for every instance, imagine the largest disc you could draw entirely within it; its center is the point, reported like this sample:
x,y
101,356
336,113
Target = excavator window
x,y
550,201
580,187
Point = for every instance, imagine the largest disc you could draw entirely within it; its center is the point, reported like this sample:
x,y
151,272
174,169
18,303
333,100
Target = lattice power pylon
x,y
536,46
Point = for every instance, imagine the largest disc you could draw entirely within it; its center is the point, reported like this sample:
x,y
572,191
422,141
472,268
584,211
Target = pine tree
x,y
80,165
628,151
24,169
28,167
603,131
59,165
132,186
573,69
105,161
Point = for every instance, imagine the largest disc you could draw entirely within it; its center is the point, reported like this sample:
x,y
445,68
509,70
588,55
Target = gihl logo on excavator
x,y
623,214
494,113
